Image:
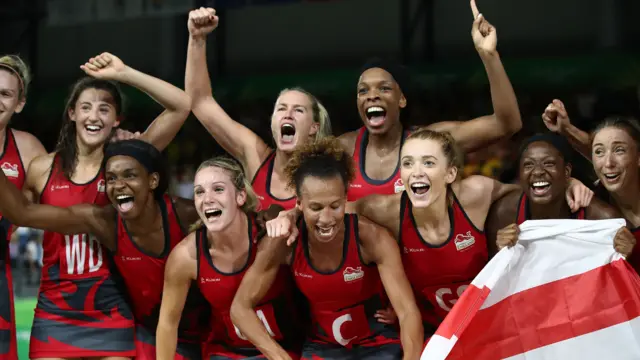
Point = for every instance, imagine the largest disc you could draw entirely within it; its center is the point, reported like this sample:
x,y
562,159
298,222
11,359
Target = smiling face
x,y
425,171
216,199
379,100
292,120
615,159
10,100
322,202
129,185
95,115
543,173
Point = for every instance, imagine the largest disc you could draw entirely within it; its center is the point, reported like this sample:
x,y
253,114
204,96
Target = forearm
x,y
197,82
245,318
411,334
503,97
166,341
14,204
578,139
169,96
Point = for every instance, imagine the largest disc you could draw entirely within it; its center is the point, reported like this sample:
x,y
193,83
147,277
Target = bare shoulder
x,y
29,146
41,164
348,141
600,210
185,251
473,189
370,232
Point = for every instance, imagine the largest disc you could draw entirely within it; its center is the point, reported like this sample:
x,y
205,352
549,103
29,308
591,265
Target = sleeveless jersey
x,y
219,288
524,212
13,169
363,185
343,301
146,291
262,186
440,273
78,291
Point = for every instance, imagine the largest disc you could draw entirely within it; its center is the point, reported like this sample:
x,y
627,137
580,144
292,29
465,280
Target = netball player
x,y
614,149
77,292
216,256
438,220
341,263
380,98
140,226
544,167
297,118
17,152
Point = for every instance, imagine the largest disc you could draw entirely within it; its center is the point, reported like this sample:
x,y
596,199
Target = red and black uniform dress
x,y
363,185
143,275
524,212
13,169
276,310
439,274
82,309
262,186
343,303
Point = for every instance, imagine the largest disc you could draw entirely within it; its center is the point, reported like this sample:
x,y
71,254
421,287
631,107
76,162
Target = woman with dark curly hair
x,y
341,263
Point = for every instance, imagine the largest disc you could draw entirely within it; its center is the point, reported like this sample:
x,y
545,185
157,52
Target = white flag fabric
x,y
561,293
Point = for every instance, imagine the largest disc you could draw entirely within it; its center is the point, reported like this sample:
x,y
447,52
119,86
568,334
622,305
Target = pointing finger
x,y
474,9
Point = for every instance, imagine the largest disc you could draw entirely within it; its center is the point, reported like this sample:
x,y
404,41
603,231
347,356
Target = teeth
x,y
540,184
419,185
611,176
374,109
122,197
287,126
93,128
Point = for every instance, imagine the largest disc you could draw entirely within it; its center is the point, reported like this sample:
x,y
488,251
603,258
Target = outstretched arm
x,y
179,272
242,143
254,286
380,247
175,101
77,219
505,121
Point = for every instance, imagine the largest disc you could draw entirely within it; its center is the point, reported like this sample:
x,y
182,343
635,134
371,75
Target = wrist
x,y
488,55
198,40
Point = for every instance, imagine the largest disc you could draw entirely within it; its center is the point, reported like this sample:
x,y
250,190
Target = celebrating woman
x,y
216,256
341,263
19,149
298,117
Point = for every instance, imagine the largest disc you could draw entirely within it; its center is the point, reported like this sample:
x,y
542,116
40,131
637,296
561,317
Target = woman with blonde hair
x,y
297,118
19,149
216,256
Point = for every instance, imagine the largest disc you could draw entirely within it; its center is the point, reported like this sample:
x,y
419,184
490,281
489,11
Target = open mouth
x,y
125,202
612,177
212,214
288,132
540,187
325,231
376,115
420,188
93,129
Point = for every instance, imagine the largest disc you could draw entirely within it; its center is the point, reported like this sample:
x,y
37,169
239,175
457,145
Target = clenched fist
x,y
202,21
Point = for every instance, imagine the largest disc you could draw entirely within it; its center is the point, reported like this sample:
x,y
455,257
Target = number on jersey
x,y
82,256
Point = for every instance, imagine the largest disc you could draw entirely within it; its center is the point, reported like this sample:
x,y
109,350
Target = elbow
x,y
509,123
238,310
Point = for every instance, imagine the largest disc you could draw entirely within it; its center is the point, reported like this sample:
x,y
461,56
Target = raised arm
x,y
257,281
556,119
77,219
505,121
380,247
242,143
30,148
175,101
180,271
